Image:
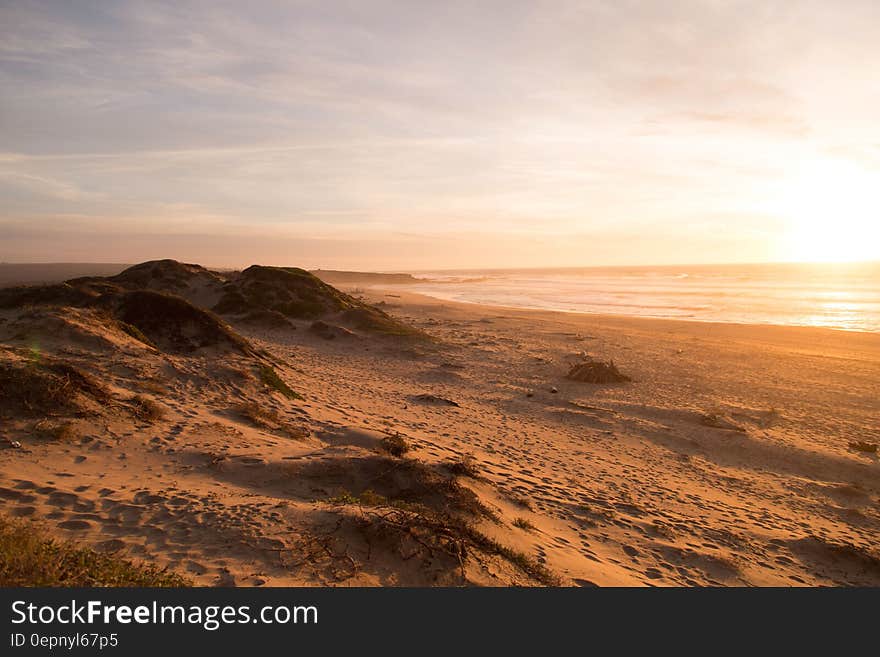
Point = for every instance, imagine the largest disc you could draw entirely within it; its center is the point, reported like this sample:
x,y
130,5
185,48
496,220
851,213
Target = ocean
x,y
839,296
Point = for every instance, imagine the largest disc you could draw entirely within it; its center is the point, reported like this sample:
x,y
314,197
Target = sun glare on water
x,y
832,208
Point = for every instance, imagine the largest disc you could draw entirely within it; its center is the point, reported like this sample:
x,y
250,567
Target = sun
x,y
832,212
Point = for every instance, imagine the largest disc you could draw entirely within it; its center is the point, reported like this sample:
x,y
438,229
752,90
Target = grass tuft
x,y
270,377
366,498
524,524
29,558
47,388
63,432
520,500
137,334
464,466
146,409
395,445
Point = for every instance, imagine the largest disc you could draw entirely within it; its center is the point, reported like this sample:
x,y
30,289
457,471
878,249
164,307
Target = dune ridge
x,y
144,417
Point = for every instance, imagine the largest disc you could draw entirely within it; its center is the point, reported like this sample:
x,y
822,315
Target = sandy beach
x,y
727,460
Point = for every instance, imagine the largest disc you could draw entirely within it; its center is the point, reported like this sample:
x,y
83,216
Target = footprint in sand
x,y
631,551
653,573
77,525
146,497
126,513
16,496
57,498
23,511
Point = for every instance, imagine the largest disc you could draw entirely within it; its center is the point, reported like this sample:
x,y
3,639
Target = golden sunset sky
x,y
419,135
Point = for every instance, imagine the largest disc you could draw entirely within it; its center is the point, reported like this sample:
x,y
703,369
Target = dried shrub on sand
x,y
146,409
595,371
464,466
436,535
64,432
415,509
523,524
395,445
403,482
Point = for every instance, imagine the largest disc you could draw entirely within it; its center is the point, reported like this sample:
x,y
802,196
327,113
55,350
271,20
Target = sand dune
x,y
298,459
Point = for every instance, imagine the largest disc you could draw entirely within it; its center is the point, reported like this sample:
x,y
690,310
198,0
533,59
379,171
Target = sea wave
x,y
836,296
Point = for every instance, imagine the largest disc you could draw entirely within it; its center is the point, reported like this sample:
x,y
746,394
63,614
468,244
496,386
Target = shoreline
x,y
663,323
617,315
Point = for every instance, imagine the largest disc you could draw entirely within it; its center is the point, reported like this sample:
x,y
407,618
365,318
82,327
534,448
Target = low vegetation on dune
x,y
399,480
146,409
464,466
30,558
395,445
164,275
290,291
174,324
61,432
150,314
416,531
524,524
62,294
297,294
416,509
269,377
154,303
46,387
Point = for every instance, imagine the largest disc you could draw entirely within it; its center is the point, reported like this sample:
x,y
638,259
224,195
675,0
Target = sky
x,y
422,135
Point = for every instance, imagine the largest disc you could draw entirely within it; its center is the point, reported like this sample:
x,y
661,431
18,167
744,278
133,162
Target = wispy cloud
x,y
314,118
